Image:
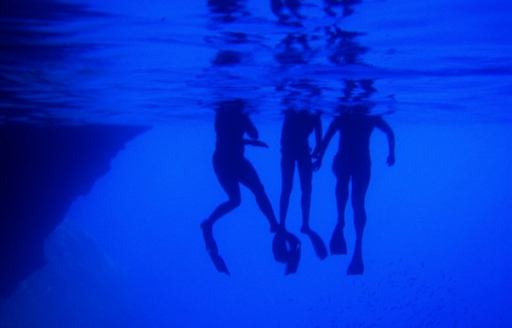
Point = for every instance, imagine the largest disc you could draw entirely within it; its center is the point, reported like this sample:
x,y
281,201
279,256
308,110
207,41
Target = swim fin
x,y
219,263
293,260
209,241
338,245
279,247
211,247
318,244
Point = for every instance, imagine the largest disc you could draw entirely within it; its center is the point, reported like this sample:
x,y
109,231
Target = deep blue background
x,y
130,253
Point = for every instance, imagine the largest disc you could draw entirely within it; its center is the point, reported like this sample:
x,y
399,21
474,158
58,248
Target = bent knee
x,y
234,202
258,188
358,203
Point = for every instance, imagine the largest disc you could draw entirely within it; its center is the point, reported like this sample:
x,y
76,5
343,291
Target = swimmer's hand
x,y
391,160
317,159
317,163
256,143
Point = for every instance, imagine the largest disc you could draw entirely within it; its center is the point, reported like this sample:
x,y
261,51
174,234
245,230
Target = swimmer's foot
x,y
211,247
293,255
338,245
219,263
279,247
210,243
356,266
317,242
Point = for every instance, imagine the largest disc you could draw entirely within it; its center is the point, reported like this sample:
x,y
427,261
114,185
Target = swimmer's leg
x,y
306,179
338,245
249,178
230,185
232,188
360,182
211,247
287,171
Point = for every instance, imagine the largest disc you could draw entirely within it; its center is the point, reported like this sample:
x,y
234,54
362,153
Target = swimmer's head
x,y
234,105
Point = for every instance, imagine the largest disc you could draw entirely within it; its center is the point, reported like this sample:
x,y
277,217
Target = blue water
x,y
437,243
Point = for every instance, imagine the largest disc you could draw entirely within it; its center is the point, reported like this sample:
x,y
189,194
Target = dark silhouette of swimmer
x,y
232,123
352,164
298,125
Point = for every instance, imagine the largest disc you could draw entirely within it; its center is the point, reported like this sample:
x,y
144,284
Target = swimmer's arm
x,y
250,129
255,142
384,126
319,152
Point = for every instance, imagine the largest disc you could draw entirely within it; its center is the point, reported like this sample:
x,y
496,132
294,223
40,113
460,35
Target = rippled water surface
x,y
129,61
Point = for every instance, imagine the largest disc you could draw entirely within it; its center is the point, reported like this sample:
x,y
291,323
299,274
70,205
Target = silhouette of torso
x,y
230,127
297,127
354,144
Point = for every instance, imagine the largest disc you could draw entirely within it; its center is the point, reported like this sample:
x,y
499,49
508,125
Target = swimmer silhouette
x,y
233,169
298,125
352,164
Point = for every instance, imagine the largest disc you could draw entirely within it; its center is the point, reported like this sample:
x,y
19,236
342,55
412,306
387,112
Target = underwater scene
x,y
255,163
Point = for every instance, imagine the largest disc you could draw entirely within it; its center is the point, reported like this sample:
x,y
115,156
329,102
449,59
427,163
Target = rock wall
x,y
42,170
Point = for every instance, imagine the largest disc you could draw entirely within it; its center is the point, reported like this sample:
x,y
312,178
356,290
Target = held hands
x,y
316,164
317,160
259,143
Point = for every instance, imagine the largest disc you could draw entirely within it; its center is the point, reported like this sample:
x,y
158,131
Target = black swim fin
x,y
219,263
211,247
318,244
293,259
209,241
279,247
338,245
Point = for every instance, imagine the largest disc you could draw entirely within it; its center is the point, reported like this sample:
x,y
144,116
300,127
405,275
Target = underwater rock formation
x,y
42,171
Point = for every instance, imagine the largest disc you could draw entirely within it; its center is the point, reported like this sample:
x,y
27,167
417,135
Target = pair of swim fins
x,y
286,248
